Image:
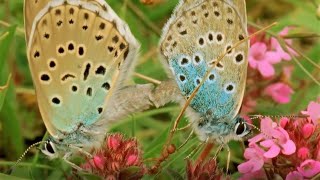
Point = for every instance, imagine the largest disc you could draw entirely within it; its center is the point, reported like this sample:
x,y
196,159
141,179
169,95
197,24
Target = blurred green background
x,y
21,124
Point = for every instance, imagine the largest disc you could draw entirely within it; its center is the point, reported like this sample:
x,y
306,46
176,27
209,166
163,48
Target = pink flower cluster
x,y
114,157
265,52
263,81
290,148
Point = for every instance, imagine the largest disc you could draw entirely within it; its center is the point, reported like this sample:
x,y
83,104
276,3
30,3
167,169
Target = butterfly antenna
x,y
27,150
277,116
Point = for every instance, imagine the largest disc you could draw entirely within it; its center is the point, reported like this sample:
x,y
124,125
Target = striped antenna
x,y
27,150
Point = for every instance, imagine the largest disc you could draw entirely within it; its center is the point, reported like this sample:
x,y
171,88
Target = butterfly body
x,y
193,39
79,54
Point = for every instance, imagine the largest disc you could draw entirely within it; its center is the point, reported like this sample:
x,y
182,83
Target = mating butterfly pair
x,y
80,52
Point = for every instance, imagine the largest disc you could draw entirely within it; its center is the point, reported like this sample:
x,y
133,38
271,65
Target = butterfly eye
x,y
241,129
49,149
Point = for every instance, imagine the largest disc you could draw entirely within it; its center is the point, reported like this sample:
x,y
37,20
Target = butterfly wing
x,y
77,50
197,33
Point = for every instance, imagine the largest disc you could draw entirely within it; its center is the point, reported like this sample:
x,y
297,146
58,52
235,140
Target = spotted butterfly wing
x,y
194,37
79,52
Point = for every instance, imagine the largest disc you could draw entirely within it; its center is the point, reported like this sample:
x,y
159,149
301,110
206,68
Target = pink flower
x,y
303,153
98,162
275,45
309,168
113,141
295,175
255,162
261,59
313,111
279,92
284,121
260,174
274,139
114,157
307,130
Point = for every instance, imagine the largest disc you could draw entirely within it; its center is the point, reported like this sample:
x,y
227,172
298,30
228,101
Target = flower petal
x,y
272,152
266,69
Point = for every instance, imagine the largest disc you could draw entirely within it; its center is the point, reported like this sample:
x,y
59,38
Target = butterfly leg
x,y
183,128
66,159
217,152
194,150
185,142
229,156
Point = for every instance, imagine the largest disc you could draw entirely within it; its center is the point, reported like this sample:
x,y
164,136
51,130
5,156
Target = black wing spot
x,y
102,26
241,37
210,37
197,59
206,14
46,35
174,44
86,71
122,46
100,109
70,47
71,21
229,88
239,58
201,41
230,21
71,10
116,54
81,51
106,86
115,39
52,64
193,13
58,12
216,13
101,70
212,77
184,61
219,37
61,50
59,23
89,91
198,81
86,16
179,24
74,88
219,65
99,37
110,48
184,32
85,27
36,54
182,78
228,50
56,100
67,76
45,77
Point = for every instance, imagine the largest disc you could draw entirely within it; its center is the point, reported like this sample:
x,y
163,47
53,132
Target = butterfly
x,y
79,53
198,32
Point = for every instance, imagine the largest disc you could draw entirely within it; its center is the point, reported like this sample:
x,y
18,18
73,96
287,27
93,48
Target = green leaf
x,y
11,132
7,177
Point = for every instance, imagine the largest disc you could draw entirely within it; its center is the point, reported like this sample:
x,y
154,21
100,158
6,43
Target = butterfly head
x,y
222,130
51,148
241,128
